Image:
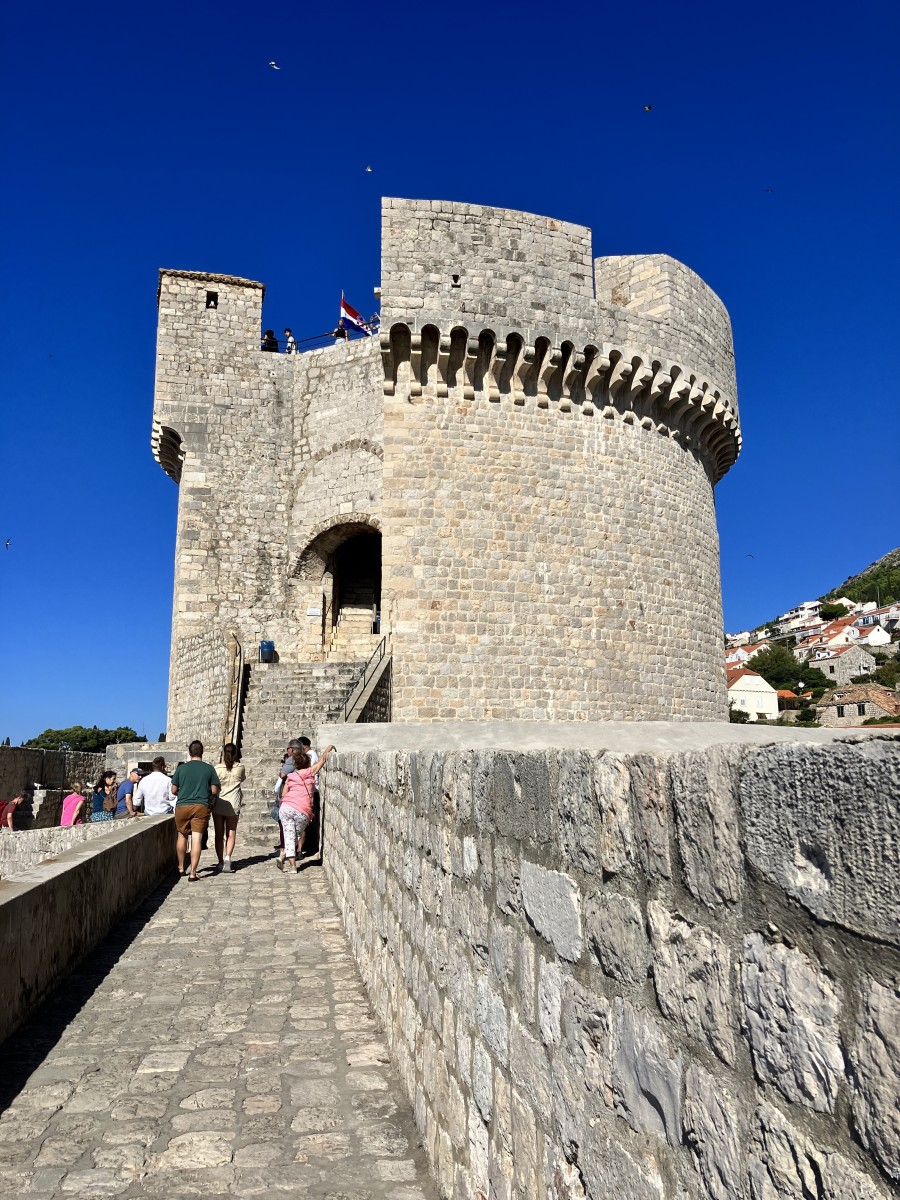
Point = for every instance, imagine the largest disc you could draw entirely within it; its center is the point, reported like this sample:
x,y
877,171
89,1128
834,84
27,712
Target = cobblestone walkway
x,y
218,1043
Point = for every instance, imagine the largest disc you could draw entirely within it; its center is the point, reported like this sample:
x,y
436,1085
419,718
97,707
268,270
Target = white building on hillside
x,y
749,693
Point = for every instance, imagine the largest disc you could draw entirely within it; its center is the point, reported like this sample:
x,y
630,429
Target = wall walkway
x,y
219,1043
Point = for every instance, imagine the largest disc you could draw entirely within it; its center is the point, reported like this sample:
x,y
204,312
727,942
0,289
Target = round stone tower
x,y
553,430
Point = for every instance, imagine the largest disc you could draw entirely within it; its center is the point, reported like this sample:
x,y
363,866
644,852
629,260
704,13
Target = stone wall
x,y
272,452
653,975
28,847
21,770
53,913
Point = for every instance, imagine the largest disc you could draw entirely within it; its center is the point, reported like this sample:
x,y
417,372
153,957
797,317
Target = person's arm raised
x,y
317,767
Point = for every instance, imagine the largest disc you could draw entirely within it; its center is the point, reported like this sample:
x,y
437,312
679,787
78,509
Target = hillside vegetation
x,y
879,582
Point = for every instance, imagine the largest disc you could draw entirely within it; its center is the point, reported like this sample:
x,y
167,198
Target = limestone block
x,y
691,974
785,1165
553,904
651,786
528,1066
791,1014
646,1075
614,927
493,1021
478,1152
875,1059
586,1022
550,1002
482,1080
704,785
809,813
610,1169
713,1134
595,814
527,1158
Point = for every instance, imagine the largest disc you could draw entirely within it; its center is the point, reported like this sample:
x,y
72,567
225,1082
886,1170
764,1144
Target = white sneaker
x,y
226,864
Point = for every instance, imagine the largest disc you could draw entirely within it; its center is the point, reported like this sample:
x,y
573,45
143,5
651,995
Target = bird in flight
x,y
368,170
648,108
274,66
748,556
768,189
7,543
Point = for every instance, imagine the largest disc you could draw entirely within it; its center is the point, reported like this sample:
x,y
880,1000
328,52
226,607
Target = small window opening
x,y
455,282
840,710
212,299
860,710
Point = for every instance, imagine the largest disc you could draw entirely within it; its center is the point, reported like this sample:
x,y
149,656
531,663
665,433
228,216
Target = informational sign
x,y
314,612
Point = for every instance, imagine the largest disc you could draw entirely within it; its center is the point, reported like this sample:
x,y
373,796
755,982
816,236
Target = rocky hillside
x,y
880,581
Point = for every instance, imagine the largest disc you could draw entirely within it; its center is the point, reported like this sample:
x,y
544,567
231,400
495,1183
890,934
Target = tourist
x,y
104,800
8,812
340,333
195,786
153,790
297,805
227,808
270,341
290,346
287,764
125,794
73,804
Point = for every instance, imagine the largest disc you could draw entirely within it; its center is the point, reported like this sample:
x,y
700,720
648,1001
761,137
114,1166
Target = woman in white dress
x,y
227,808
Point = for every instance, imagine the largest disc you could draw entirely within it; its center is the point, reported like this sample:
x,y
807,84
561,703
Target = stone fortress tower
x,y
517,478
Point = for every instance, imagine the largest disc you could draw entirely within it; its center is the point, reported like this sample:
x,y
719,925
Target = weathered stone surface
x,y
646,1075
691,973
650,790
553,904
809,812
704,786
614,927
786,1165
875,1062
550,1002
493,1021
713,1134
791,1012
608,1168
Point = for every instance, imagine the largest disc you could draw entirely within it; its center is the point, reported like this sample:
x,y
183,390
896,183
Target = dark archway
x,y
356,572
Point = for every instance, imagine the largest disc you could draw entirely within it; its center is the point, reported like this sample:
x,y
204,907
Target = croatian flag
x,y
352,319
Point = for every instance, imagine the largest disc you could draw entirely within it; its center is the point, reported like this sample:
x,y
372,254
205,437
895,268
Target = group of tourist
x,y
196,792
340,333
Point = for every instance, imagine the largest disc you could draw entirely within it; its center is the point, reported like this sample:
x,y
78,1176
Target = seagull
x,y
768,189
7,543
648,108
748,556
274,66
368,170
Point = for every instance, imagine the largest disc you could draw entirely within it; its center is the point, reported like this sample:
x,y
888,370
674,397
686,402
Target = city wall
x,y
51,914
23,770
606,971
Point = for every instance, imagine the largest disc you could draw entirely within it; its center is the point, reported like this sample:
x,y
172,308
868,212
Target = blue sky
x,y
157,136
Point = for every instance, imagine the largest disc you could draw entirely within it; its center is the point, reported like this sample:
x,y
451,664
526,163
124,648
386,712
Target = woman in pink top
x,y
73,805
297,805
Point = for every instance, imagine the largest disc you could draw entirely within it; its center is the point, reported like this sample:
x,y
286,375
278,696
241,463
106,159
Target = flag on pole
x,y
352,319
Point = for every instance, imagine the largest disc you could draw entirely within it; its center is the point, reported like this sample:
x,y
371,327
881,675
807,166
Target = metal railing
x,y
318,340
235,690
359,688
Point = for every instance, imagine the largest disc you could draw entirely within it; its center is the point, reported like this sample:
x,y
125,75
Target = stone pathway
x,y
218,1043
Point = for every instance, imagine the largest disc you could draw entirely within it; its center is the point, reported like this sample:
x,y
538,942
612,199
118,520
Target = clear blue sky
x,y
156,135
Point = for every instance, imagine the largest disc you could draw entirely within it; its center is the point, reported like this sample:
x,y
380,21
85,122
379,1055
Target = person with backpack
x,y
297,805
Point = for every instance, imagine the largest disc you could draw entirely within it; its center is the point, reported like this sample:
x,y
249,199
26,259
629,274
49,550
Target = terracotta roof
x,y
787,694
859,693
733,674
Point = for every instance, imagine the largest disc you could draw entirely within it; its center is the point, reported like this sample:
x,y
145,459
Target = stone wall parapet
x,y
604,973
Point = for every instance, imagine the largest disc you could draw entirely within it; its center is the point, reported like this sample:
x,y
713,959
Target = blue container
x,y
267,652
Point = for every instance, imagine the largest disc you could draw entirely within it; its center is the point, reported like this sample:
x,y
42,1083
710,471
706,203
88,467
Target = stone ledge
x,y
52,914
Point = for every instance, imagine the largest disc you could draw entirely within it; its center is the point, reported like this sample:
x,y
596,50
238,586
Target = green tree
x,y
806,715
79,737
779,668
738,716
830,612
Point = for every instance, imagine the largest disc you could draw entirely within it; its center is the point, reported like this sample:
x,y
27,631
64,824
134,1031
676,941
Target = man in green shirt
x,y
195,786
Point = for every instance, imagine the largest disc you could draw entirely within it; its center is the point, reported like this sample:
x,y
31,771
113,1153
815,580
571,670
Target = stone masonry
x,y
655,975
534,439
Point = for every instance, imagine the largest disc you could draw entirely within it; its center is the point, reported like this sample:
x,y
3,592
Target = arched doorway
x,y
345,561
356,577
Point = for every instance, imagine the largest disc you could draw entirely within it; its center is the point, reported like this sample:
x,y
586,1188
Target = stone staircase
x,y
352,638
283,701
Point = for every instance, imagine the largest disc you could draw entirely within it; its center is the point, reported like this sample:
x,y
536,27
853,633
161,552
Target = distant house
x,y
841,632
749,693
839,664
742,654
858,703
887,617
873,635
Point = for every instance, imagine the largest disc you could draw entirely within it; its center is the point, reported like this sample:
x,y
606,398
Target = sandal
x,y
193,878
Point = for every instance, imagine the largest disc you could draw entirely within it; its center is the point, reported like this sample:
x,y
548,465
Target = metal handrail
x,y
320,340
360,686
235,688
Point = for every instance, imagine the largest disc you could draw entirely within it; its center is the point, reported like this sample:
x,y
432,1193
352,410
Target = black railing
x,y
317,341
359,688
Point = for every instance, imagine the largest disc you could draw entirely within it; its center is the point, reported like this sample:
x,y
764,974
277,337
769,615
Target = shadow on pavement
x,y
25,1049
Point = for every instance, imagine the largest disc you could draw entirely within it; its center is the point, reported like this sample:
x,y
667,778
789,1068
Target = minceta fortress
x,y
512,484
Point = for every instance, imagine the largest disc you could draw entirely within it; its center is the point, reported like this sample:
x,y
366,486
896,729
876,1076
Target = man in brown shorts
x,y
195,786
